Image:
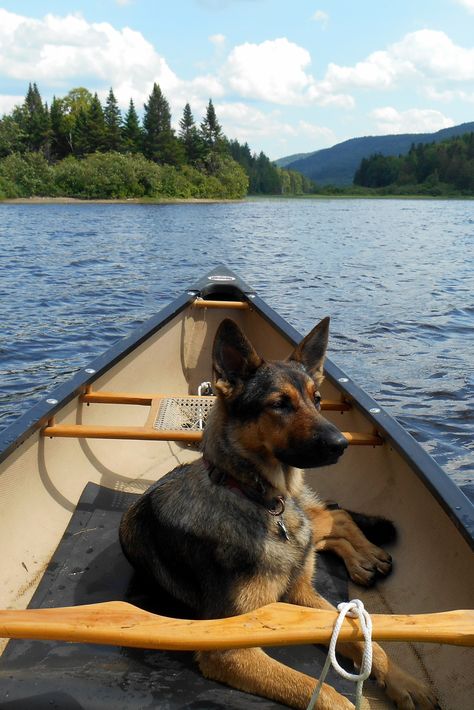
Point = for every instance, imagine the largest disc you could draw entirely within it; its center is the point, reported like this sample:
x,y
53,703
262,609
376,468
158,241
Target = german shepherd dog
x,y
237,529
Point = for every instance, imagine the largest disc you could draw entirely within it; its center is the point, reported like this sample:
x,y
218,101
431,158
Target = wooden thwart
x,y
91,397
232,305
86,431
149,433
122,624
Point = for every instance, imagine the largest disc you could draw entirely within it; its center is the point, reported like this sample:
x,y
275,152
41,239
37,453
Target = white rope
x,y
355,609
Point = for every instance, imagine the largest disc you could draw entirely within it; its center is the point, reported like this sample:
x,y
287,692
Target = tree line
x,y
80,148
428,168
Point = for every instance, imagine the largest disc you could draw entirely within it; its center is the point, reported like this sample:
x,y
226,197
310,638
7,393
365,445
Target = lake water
x,y
396,277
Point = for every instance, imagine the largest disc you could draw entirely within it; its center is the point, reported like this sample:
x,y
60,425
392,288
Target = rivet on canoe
x,y
90,371
51,401
374,410
343,379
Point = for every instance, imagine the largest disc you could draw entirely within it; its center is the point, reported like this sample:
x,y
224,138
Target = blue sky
x,y
286,77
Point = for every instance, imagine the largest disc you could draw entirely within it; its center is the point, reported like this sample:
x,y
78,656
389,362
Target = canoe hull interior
x,y
42,479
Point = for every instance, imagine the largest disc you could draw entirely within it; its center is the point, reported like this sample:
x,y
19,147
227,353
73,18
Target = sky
x,y
286,76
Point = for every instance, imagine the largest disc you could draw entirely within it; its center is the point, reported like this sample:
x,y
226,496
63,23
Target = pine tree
x,y
160,143
132,135
89,129
211,130
113,123
190,138
96,126
34,120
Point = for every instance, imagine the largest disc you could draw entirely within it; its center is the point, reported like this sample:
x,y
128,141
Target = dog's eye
x,y
317,400
281,404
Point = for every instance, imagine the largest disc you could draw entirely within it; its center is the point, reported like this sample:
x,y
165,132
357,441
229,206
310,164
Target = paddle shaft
x,y
122,624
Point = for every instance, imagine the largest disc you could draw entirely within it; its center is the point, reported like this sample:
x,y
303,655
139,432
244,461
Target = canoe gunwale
x,y
39,414
451,498
221,282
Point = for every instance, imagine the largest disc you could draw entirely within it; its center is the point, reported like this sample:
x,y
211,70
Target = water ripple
x,y
395,276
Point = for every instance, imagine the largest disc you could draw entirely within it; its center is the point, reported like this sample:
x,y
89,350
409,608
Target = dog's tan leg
x,y
335,531
253,671
406,692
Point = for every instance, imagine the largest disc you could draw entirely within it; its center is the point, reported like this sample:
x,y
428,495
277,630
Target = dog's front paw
x,y
407,692
330,699
367,563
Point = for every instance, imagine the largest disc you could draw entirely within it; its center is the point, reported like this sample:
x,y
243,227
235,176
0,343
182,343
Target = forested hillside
x,y
435,168
78,147
337,165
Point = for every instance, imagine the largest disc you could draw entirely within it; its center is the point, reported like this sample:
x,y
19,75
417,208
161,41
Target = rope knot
x,y
355,610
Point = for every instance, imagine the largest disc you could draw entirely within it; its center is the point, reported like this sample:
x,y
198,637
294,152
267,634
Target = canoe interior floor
x,y
87,567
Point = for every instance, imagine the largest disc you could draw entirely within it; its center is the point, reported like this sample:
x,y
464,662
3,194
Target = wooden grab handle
x,y
122,624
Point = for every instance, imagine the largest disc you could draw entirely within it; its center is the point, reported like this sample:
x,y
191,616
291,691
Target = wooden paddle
x,y
122,624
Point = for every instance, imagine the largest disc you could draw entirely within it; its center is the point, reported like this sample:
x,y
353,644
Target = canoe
x,y
71,465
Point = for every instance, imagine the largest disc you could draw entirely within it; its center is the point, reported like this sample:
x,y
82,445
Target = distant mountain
x,y
283,162
337,165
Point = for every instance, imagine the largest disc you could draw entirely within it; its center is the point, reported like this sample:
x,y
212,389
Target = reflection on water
x,y
395,276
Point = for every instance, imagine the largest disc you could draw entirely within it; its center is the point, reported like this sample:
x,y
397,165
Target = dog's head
x,y
274,407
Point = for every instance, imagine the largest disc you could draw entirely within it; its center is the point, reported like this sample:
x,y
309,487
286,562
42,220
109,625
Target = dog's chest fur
x,y
236,535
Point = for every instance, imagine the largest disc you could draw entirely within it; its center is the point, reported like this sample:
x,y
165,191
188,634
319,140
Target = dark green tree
x,y
89,129
159,141
12,136
96,126
377,171
132,134
211,130
77,102
113,123
80,134
60,139
33,118
190,137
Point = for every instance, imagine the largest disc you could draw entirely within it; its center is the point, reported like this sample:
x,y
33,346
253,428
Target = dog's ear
x,y
234,359
312,349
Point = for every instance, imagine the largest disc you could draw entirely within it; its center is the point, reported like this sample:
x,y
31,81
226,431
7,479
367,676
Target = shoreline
x,y
106,201
210,200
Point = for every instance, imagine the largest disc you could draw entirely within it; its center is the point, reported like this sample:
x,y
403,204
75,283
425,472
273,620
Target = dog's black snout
x,y
338,443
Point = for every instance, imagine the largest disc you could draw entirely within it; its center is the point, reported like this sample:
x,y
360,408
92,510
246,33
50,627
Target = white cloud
x,y
468,4
247,123
321,17
448,95
8,102
277,71
218,40
425,54
390,120
272,71
62,50
436,56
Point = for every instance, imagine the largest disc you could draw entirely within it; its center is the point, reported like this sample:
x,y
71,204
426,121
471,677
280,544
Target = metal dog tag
x,y
283,530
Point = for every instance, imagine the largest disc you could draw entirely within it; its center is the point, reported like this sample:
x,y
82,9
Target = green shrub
x,y
108,176
25,175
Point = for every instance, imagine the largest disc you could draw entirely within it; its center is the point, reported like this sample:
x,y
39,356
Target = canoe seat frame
x,y
150,432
